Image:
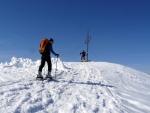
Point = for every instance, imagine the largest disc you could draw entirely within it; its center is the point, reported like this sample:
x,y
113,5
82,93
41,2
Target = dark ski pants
x,y
43,60
83,57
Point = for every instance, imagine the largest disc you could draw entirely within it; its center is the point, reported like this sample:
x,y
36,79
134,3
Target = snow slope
x,y
93,87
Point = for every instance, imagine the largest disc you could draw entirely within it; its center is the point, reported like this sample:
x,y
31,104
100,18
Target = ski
x,y
51,79
45,79
39,79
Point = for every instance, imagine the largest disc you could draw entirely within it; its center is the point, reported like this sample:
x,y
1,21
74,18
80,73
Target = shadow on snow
x,y
90,83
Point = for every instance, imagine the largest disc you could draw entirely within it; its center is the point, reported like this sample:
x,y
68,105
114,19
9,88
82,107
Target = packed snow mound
x,y
26,63
80,87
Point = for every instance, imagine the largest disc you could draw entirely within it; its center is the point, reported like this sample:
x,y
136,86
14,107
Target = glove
x,y
57,55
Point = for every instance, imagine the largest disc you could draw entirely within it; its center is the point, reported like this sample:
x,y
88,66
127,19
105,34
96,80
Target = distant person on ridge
x,y
45,52
82,55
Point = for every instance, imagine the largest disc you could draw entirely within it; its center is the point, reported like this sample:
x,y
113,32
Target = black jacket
x,y
49,49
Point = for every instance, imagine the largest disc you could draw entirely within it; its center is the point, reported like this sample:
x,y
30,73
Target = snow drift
x,y
81,87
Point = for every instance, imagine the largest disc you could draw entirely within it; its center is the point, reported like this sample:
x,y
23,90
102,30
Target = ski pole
x,y
56,67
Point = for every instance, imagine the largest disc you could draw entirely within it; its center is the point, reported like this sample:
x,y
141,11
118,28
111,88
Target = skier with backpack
x,y
83,53
45,49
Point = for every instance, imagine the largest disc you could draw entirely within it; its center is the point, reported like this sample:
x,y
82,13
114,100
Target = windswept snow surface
x,y
81,87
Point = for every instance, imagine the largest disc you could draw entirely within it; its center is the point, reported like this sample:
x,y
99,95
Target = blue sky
x,y
120,29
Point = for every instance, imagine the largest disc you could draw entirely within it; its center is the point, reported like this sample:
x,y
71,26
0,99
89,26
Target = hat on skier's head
x,y
51,39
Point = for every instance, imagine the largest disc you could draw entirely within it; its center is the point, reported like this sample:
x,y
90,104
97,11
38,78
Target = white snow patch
x,y
81,87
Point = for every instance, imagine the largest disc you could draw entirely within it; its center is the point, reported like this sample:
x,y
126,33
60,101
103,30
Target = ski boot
x,y
48,76
39,76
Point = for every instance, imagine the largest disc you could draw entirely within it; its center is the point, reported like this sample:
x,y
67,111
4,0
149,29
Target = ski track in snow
x,y
80,88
